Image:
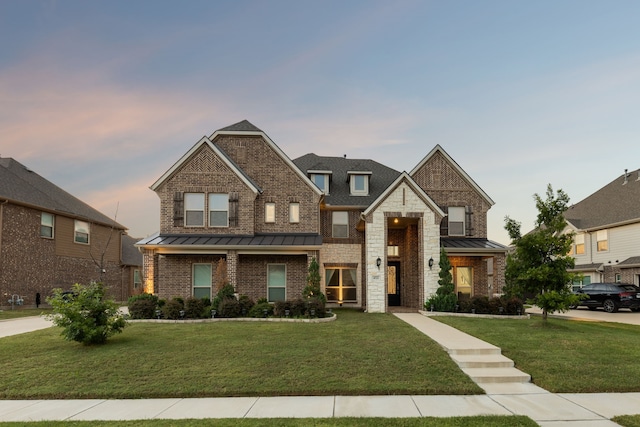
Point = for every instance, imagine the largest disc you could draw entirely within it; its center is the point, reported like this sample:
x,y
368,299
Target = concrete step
x,y
482,361
477,350
497,375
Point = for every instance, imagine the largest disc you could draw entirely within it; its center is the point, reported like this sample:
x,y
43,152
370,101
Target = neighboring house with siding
x,y
606,224
375,232
50,239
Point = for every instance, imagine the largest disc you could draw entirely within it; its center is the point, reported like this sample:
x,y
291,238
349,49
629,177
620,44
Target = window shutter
x,y
178,209
468,211
233,208
444,224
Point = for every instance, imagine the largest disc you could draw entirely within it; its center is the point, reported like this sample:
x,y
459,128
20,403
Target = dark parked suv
x,y
610,296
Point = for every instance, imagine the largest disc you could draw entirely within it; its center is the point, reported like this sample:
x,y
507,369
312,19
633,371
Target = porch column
x,y
232,267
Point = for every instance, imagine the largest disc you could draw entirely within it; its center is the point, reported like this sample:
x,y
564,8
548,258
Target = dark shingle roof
x,y
339,190
243,126
613,204
130,254
21,185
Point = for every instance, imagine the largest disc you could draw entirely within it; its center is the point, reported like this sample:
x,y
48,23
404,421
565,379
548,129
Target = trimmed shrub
x,y
229,307
143,308
315,305
172,308
258,310
194,308
227,291
246,304
513,305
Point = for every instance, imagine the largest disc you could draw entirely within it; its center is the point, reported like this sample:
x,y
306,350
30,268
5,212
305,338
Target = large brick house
x,y
375,232
50,239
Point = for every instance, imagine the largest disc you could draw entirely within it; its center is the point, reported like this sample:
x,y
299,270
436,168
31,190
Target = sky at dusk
x,y
102,97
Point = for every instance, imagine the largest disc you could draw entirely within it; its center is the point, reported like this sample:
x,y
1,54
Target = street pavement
x,y
547,409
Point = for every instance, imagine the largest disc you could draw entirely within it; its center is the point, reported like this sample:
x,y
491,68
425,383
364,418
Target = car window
x,y
630,288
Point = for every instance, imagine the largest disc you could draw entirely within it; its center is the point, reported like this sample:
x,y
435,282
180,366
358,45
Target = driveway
x,y
599,315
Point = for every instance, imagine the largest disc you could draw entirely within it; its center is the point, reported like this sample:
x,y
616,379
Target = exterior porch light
x,y
378,262
430,263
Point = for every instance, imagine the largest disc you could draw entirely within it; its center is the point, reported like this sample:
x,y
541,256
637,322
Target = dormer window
x,y
359,183
321,179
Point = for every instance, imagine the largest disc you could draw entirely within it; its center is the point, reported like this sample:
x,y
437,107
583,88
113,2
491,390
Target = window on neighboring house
x,y
46,225
202,280
579,239
602,242
270,212
321,181
456,220
359,184
218,210
340,225
137,279
81,232
276,282
340,284
194,209
294,212
618,278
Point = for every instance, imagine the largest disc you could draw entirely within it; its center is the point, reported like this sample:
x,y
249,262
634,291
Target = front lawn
x,y
565,356
358,354
22,312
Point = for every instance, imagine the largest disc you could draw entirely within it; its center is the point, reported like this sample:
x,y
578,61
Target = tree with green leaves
x,y
539,263
445,298
312,290
85,314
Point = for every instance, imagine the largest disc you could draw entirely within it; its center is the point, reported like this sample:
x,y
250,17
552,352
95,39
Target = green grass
x,y
22,312
627,420
565,356
358,354
493,421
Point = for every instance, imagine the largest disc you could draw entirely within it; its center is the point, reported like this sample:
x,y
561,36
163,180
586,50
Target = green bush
x,y
246,304
258,310
143,308
87,317
172,309
194,308
318,307
229,307
480,304
227,291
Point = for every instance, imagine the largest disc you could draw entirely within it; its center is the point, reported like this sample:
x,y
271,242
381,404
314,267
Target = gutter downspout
x,y
2,222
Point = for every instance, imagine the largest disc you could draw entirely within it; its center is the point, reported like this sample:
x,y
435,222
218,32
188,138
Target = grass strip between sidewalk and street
x,y
358,354
564,356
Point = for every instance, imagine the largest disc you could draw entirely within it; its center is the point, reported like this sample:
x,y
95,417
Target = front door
x,y
393,283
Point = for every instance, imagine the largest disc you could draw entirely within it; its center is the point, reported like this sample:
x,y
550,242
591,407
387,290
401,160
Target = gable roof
x,y
616,203
339,167
456,166
220,153
21,185
415,187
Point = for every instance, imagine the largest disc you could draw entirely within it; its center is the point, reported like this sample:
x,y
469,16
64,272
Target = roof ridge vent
x,y
626,176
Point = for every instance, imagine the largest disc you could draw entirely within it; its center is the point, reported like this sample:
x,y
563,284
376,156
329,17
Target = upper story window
x,y
81,232
294,212
456,220
270,212
321,180
602,241
218,210
194,209
579,240
340,225
46,225
359,183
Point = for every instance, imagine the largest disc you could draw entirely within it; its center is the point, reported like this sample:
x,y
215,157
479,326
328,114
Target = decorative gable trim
x,y
185,158
456,166
415,187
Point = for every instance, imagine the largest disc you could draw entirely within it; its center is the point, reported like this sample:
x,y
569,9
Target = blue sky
x,y
101,98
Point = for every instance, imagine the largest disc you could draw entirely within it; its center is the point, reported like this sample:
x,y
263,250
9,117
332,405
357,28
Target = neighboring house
x,y
375,232
50,239
606,224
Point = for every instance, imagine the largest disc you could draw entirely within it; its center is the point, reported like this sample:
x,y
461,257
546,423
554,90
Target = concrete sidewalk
x,y
504,397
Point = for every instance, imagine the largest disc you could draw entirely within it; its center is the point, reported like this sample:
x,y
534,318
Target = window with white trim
x,y
276,282
579,239
194,209
340,224
340,284
202,280
359,184
602,241
321,181
218,210
294,212
46,225
270,212
81,232
456,220
137,279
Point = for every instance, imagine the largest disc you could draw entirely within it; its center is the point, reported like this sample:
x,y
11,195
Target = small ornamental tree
x,y
540,262
85,315
221,277
445,298
312,290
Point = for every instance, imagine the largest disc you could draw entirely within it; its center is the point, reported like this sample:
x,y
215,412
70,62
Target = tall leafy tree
x,y
540,262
